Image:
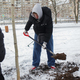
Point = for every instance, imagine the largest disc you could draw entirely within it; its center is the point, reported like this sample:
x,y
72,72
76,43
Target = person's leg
x,y
1,75
51,61
36,53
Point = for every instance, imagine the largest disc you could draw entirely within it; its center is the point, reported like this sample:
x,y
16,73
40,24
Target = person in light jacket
x,y
43,27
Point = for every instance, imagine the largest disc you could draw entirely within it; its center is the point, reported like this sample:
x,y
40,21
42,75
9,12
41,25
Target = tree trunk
x,y
76,9
15,41
55,11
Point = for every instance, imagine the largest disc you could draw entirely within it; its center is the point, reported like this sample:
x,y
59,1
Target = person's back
x,y
2,52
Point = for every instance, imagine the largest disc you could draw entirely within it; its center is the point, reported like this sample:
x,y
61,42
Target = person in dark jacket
x,y
43,27
2,52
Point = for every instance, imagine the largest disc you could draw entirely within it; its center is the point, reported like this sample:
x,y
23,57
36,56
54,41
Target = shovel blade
x,y
60,56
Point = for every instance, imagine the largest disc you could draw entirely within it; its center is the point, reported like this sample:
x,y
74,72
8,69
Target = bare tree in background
x,y
76,9
55,11
54,4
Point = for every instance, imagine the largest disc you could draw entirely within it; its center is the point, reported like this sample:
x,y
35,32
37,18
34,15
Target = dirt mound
x,y
39,70
27,77
63,71
66,72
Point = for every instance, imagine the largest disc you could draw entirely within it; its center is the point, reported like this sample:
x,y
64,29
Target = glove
x,y
26,33
44,45
41,38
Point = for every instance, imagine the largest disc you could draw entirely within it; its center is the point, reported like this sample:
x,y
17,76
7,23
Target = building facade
x,y
24,7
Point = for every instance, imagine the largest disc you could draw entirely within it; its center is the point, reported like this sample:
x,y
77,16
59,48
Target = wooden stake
x,y
15,41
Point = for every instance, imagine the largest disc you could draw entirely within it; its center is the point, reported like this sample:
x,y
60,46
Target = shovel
x,y
61,56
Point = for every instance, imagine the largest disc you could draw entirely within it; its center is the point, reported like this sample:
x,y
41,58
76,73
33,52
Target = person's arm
x,y
49,30
44,37
2,48
29,23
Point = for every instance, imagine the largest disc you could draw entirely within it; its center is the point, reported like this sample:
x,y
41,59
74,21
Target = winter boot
x,y
33,68
52,67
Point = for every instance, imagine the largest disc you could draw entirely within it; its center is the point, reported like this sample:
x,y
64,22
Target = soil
x,y
61,72
60,56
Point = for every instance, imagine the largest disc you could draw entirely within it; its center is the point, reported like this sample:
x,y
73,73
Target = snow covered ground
x,y
66,39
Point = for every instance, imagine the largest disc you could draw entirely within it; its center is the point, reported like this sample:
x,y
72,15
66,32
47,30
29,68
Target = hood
x,y
37,9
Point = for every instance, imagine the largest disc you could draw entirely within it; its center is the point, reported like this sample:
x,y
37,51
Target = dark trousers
x,y
1,75
37,53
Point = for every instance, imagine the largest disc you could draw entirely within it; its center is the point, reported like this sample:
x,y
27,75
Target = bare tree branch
x,y
62,8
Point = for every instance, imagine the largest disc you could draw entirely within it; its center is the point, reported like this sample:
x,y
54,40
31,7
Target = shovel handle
x,y
26,34
55,56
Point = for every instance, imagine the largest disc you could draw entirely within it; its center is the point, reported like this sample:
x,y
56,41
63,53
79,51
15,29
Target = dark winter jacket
x,y
2,48
42,26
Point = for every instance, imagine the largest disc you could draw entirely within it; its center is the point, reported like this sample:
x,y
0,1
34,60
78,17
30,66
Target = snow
x,y
66,39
